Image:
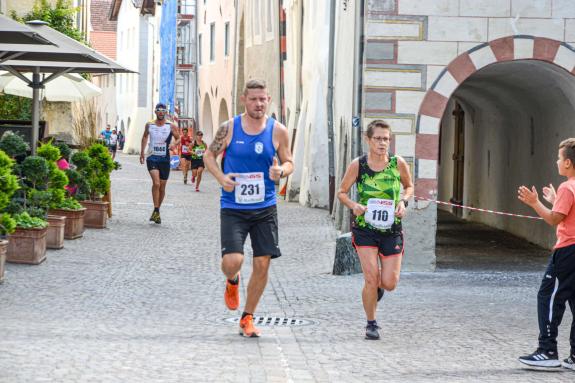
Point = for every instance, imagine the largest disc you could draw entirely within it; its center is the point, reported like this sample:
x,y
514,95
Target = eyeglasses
x,y
380,139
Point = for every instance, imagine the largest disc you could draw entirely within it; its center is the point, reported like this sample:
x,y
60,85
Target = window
x,y
212,41
200,49
227,39
257,20
270,18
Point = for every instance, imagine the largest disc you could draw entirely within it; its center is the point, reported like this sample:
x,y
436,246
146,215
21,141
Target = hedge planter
x,y
3,248
96,214
74,227
27,246
55,234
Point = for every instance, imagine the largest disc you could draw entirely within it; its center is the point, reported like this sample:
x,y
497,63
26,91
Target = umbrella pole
x,y
36,85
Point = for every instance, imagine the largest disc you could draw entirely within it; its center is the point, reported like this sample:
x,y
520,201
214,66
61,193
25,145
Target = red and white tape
x,y
477,209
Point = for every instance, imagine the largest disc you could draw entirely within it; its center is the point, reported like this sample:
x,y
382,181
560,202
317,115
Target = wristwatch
x,y
405,202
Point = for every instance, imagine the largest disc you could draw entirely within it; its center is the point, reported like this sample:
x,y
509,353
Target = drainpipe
x,y
358,81
197,70
235,79
330,122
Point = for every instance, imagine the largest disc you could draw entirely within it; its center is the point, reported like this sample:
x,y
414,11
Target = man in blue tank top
x,y
159,133
249,144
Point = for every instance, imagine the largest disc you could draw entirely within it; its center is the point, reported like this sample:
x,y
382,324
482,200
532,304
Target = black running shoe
x,y
541,359
569,362
380,292
371,332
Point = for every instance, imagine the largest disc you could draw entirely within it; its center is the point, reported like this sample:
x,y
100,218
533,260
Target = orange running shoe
x,y
247,327
232,295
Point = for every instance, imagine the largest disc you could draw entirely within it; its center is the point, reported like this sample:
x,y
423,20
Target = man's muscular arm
x,y
217,146
144,143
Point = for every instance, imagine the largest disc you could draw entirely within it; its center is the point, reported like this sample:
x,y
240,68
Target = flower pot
x,y
27,246
96,214
3,248
55,234
74,227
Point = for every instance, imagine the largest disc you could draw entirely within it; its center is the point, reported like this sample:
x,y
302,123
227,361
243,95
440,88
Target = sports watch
x,y
405,202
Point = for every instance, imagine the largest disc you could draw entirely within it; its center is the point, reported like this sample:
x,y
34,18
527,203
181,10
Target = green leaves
x,y
68,204
25,221
94,166
13,144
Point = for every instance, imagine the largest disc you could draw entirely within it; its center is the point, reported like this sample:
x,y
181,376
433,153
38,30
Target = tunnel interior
x,y
501,129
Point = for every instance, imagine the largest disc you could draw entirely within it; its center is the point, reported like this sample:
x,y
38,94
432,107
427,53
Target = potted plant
x,y
8,185
68,207
57,180
28,242
94,166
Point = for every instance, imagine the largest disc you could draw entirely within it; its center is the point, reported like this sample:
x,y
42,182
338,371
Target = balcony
x,y
186,9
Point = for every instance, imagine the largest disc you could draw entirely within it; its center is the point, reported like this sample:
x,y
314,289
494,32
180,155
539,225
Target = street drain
x,y
275,321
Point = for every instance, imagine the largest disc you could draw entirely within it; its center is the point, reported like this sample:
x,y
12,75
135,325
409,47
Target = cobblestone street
x,y
139,302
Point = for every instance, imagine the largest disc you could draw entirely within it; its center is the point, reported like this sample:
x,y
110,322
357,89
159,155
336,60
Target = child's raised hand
x,y
549,194
528,197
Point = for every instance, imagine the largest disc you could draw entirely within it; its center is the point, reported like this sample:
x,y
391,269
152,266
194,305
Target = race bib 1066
x,y
251,188
380,213
159,149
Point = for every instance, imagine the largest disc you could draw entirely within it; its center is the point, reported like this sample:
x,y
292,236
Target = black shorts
x,y
187,157
260,224
197,163
387,244
162,166
113,148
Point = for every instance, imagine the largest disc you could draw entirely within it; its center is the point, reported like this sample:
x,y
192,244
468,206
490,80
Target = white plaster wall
x,y
127,85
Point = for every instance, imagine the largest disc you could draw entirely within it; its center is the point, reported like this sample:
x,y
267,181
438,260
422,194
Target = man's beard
x,y
160,118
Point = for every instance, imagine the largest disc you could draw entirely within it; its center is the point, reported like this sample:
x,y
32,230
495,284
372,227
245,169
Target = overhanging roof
x,y
13,32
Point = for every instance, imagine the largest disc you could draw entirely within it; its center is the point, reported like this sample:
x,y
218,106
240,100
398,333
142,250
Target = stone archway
x,y
223,115
433,106
514,87
207,124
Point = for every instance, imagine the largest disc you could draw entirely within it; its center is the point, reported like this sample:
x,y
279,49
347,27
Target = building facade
x,y
216,53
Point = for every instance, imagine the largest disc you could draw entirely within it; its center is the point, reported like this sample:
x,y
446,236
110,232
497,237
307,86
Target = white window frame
x,y
226,39
212,42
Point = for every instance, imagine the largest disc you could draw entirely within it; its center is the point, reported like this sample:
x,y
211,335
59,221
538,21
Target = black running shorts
x,y
260,224
162,166
388,244
187,157
197,163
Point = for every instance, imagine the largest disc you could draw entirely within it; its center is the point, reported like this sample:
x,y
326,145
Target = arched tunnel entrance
x,y
500,129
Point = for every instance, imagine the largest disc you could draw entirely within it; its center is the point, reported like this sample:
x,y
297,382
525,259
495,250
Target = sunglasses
x,y
161,110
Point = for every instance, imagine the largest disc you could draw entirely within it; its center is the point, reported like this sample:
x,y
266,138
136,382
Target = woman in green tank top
x,y
377,233
198,149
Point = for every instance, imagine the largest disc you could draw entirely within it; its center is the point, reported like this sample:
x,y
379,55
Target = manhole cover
x,y
275,321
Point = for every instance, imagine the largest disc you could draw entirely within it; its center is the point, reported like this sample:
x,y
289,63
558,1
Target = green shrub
x,y
13,144
93,165
25,221
8,186
65,150
69,204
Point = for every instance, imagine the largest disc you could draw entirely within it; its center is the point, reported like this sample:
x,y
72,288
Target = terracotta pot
x,y
96,214
74,227
56,229
3,248
27,246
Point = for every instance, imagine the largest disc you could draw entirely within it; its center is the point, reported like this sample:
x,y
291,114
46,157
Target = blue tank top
x,y
250,156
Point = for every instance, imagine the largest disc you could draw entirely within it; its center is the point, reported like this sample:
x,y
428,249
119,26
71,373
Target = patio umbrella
x,y
69,87
13,32
69,57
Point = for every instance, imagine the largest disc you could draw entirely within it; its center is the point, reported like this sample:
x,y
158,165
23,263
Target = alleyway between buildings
x,y
139,302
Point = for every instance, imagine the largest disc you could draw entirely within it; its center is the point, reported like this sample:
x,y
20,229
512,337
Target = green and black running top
x,y
385,184
198,150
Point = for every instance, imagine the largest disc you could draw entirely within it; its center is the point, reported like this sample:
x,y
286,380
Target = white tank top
x,y
159,137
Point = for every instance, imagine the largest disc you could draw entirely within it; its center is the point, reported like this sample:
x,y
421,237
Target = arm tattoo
x,y
219,141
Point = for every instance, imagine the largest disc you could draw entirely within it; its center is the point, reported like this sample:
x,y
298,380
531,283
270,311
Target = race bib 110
x,y
251,188
380,213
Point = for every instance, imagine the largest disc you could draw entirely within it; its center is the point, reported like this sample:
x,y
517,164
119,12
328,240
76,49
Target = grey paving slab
x,y
139,302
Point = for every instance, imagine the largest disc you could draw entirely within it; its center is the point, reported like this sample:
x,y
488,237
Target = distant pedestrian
x,y
121,140
558,283
113,143
105,134
377,231
198,149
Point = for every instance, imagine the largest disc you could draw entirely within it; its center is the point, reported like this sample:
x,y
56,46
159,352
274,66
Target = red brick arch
x,y
512,48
